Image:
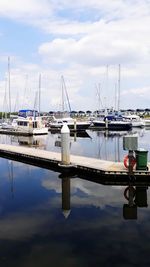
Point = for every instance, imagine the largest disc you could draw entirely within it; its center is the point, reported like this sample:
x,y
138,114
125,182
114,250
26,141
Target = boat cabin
x,y
28,113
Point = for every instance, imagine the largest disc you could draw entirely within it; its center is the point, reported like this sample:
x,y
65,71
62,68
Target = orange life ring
x,y
126,192
126,161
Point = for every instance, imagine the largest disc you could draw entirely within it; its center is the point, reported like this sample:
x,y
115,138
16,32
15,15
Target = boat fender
x,y
126,161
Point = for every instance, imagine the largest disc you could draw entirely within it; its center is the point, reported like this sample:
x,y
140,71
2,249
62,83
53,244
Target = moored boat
x,y
30,122
135,120
73,124
112,123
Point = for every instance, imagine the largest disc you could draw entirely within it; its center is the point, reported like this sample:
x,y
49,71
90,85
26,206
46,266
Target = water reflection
x,y
32,141
65,183
136,197
83,221
11,177
107,145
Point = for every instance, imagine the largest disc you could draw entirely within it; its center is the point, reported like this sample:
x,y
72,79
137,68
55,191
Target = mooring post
x,y
75,124
130,143
106,123
130,155
65,145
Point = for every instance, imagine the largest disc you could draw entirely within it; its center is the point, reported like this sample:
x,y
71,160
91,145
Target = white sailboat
x,y
73,124
29,121
113,121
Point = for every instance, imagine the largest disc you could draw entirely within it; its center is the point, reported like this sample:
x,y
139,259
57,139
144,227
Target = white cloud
x,y
82,37
144,91
17,9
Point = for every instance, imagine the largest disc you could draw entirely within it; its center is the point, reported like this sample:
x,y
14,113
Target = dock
x,y
79,165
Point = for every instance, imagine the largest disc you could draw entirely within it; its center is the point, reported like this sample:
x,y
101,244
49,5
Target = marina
x,y
74,133
45,202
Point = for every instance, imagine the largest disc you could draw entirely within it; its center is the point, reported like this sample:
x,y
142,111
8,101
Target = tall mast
x,y
119,74
39,93
106,102
62,92
9,85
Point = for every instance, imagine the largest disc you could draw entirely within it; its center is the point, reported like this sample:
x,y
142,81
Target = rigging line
x,y
9,84
119,74
39,93
16,102
62,90
25,89
5,104
66,93
98,94
35,100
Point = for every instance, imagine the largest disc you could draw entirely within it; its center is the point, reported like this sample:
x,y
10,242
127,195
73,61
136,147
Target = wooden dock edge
x,y
73,169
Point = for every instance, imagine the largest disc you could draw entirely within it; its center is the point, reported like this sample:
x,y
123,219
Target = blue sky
x,y
84,41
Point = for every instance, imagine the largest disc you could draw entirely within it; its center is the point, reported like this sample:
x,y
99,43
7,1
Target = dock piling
x,y
65,145
75,124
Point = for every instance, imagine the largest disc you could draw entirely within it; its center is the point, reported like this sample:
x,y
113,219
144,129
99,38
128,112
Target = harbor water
x,y
50,219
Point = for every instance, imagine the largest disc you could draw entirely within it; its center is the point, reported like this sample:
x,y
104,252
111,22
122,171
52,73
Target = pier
x,y
78,164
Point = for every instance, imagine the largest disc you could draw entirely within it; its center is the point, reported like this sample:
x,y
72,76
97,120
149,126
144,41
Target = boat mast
x,y
39,93
5,106
64,91
9,85
98,93
119,74
106,105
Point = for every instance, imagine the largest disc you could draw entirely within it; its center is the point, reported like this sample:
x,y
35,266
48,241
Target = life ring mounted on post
x,y
126,161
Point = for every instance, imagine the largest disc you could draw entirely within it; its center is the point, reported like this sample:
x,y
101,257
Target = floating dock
x,y
78,164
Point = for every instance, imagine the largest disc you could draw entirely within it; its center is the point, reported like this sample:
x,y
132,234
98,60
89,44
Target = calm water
x,y
47,220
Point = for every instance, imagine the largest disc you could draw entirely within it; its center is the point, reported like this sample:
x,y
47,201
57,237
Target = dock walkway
x,y
52,160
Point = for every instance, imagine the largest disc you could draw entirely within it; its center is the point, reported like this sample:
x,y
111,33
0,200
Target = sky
x,y
100,48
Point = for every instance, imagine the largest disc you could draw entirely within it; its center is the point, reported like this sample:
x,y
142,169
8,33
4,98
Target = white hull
x,y
33,131
147,123
140,124
71,123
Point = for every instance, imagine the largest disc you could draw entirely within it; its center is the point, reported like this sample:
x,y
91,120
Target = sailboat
x,y
29,121
113,121
73,124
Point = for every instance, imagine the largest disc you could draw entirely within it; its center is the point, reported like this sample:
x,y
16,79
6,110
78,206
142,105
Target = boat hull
x,y
113,125
72,127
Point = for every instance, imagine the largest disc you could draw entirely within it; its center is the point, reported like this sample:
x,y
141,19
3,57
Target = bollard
x,y
75,124
65,145
106,123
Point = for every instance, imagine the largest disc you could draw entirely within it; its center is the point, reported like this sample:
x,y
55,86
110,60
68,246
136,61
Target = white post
x,y
106,123
65,145
75,124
